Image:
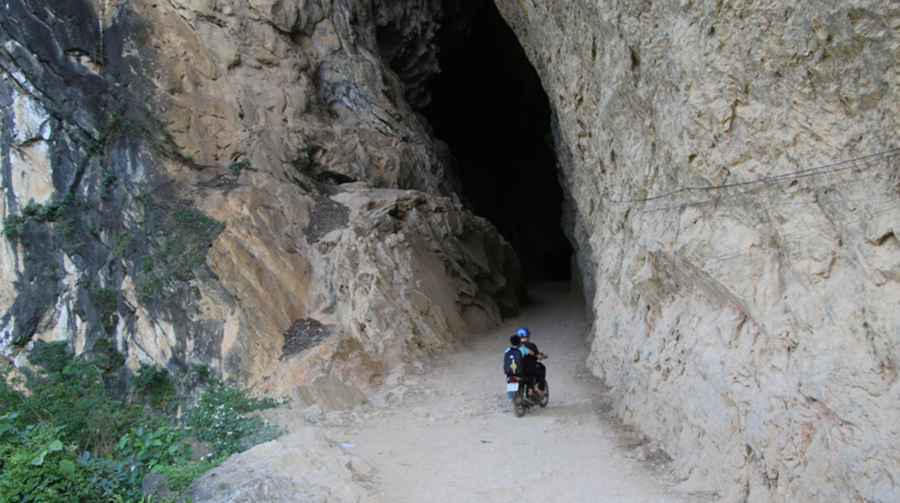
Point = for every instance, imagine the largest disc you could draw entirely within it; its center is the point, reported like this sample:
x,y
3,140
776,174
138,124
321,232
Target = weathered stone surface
x,y
298,468
405,33
755,331
183,159
190,167
404,278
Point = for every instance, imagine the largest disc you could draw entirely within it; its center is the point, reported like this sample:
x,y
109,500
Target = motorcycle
x,y
524,396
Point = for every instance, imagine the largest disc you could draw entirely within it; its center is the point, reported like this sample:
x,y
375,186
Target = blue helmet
x,y
523,332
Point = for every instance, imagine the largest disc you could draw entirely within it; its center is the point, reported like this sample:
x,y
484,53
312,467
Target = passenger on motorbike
x,y
534,370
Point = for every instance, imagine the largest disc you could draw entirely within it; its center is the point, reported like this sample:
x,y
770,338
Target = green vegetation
x,y
236,167
44,213
108,182
71,439
222,419
66,215
37,466
201,373
180,240
105,356
107,302
155,386
14,225
121,245
50,356
181,474
195,233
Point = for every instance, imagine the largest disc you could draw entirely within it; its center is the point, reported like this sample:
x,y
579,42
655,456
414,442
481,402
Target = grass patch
x,y
180,475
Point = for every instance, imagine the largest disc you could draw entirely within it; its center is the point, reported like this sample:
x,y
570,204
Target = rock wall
x,y
245,185
752,330
235,184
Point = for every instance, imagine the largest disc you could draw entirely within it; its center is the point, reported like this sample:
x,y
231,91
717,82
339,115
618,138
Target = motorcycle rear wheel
x,y
518,406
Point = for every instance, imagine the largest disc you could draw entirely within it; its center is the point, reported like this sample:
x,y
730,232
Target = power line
x,y
782,203
868,162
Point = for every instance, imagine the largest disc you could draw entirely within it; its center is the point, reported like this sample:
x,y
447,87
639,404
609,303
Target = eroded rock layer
x,y
752,330
240,185
244,184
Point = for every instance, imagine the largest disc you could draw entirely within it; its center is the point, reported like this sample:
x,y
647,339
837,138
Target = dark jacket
x,y
532,351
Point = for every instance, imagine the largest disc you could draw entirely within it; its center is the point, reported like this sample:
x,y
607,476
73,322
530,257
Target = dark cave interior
x,y
488,104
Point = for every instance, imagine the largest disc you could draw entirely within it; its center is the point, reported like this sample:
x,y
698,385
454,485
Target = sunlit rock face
x,y
753,331
237,185
246,185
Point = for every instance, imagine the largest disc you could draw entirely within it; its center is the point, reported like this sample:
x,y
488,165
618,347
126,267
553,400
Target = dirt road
x,y
453,436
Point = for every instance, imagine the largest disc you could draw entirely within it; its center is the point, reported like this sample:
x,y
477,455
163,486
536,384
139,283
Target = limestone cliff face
x,y
244,184
236,184
753,330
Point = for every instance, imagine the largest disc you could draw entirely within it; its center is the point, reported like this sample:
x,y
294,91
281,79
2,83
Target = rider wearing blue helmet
x,y
523,333
531,357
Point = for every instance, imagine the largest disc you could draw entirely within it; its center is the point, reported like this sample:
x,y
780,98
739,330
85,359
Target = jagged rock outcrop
x,y
175,180
398,276
304,466
246,185
753,331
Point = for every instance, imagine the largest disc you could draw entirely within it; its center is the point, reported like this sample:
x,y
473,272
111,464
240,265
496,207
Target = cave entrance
x,y
489,106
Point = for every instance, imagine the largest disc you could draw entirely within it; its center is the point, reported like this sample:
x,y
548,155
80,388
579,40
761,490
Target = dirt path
x,y
453,436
